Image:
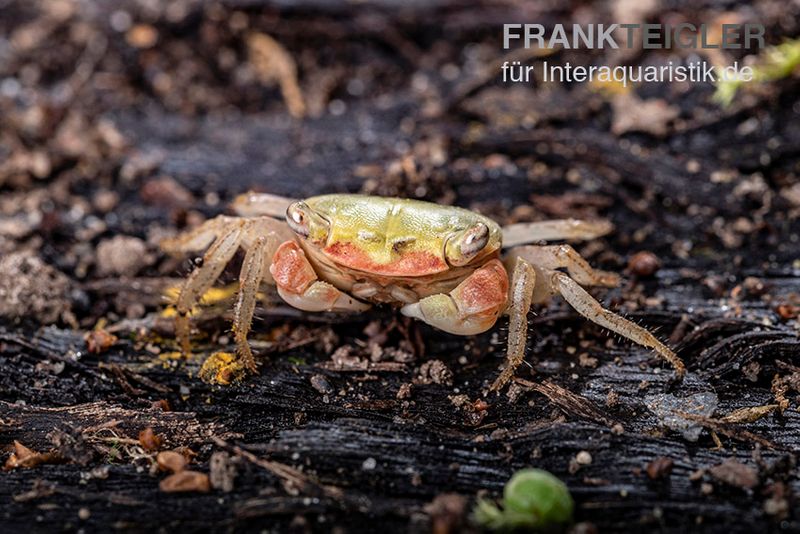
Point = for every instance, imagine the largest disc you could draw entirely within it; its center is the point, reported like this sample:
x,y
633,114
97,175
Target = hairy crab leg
x,y
261,204
535,283
564,256
203,277
523,280
569,229
252,274
587,306
199,238
471,308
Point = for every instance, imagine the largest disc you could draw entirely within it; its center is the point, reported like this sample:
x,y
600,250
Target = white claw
x,y
413,310
441,311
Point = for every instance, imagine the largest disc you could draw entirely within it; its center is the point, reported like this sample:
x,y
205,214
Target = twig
x,y
568,401
293,479
721,428
372,367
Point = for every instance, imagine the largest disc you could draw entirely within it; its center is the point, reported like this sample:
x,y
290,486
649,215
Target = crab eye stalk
x,y
464,246
307,223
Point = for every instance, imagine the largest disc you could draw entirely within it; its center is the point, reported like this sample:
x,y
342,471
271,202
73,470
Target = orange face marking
x,y
412,263
291,269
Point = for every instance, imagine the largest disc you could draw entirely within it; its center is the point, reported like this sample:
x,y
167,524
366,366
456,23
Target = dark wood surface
x,y
710,199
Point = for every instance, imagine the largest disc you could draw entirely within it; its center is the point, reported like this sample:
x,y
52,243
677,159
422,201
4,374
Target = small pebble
x,y
186,481
583,458
405,391
644,264
142,36
321,384
369,464
122,255
660,467
171,461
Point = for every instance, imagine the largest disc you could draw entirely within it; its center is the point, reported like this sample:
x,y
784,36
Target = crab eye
x,y
466,245
296,218
307,223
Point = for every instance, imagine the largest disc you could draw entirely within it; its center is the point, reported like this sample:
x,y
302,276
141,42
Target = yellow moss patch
x,y
221,368
214,295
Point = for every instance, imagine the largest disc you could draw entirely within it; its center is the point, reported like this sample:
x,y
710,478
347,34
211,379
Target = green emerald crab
x,y
446,266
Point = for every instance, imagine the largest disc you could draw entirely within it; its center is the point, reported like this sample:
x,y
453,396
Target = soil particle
x,y
447,513
644,264
661,467
166,192
670,411
149,440
99,341
435,372
222,471
321,384
171,461
735,473
405,391
122,255
777,505
70,444
31,288
186,481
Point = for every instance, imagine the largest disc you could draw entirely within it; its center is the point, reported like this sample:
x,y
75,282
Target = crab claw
x,y
471,308
299,286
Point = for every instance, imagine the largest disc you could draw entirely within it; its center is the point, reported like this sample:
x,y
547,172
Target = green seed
x,y
538,493
532,499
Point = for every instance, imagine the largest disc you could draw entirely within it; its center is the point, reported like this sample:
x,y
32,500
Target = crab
x,y
449,267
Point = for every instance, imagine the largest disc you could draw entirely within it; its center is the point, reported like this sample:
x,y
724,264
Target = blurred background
x,y
123,117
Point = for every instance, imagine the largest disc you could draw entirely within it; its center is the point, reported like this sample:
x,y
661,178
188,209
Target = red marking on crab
x,y
413,263
485,291
290,269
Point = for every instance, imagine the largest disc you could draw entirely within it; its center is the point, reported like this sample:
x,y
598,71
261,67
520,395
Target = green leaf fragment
x,y
774,63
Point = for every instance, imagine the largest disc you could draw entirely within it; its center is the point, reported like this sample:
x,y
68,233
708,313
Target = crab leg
x,y
524,233
202,278
300,287
261,204
530,283
523,280
200,237
253,269
228,234
587,306
471,308
564,256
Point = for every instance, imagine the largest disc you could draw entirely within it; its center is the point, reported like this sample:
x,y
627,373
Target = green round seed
x,y
538,495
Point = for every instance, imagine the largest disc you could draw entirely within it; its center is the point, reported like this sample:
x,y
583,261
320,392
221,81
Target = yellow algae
x,y
221,368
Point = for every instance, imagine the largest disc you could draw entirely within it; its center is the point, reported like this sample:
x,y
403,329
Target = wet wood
x,y
153,139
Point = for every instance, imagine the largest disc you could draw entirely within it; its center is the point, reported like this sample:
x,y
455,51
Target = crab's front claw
x,y
471,308
299,287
